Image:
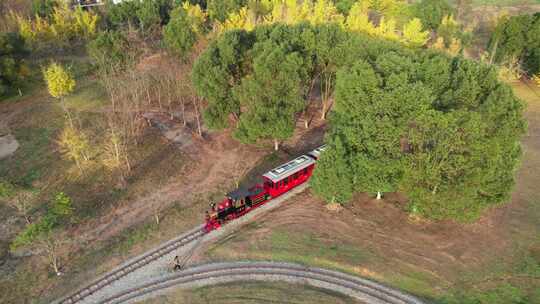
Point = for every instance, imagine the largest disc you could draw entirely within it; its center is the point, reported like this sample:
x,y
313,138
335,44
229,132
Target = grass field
x,y
253,293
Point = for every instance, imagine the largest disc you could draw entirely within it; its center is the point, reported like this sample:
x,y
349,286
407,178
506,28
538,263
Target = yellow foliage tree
x,y
74,145
455,47
438,44
387,29
413,34
239,20
536,79
60,83
198,16
324,11
65,25
358,19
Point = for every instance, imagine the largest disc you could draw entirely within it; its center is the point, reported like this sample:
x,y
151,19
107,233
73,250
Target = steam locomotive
x,y
275,183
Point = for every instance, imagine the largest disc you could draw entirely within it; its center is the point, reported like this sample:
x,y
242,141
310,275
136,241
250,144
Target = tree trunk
x,y
184,112
68,114
156,216
198,116
325,95
276,144
379,195
493,51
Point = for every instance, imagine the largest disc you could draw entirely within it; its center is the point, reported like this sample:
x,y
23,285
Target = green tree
x,y
61,206
122,13
329,53
220,9
443,132
333,177
12,68
148,14
516,39
183,30
60,83
44,8
109,50
217,70
431,12
273,94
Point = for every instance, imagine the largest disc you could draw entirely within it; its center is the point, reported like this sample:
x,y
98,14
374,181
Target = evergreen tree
x,y
217,71
431,12
12,51
182,31
273,94
220,9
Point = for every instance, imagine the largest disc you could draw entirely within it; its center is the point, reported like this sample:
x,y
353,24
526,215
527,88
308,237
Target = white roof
x,y
317,152
289,168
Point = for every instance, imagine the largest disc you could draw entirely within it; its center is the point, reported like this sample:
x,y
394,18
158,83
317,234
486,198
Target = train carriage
x,y
289,175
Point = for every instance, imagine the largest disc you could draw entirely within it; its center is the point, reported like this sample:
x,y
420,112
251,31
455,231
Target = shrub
x,y
109,50
12,68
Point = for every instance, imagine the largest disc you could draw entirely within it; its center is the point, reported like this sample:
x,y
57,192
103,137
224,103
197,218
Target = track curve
x,y
218,273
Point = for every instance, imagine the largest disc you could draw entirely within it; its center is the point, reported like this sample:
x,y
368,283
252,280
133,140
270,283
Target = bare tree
x,y
22,201
49,246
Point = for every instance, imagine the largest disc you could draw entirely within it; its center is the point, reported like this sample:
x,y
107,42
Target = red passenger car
x,y
288,176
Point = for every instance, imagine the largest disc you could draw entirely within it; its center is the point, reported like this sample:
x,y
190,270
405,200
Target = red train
x,y
276,182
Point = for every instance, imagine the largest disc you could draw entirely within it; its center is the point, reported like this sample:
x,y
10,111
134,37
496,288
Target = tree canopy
x,y
184,28
445,132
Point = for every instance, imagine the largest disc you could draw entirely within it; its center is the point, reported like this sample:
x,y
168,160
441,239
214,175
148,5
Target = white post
x,y
379,195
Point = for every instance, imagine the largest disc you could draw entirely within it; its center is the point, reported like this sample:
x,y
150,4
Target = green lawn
x,y
253,293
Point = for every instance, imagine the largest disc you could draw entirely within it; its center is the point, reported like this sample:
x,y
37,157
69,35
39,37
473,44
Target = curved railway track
x,y
133,265
217,273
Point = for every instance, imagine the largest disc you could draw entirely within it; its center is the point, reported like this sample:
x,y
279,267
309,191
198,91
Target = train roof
x,y
289,168
317,152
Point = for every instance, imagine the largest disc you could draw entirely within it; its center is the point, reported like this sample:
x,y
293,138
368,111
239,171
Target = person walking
x,y
177,264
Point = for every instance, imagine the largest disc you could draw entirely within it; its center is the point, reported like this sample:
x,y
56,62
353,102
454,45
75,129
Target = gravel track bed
x,y
142,271
220,273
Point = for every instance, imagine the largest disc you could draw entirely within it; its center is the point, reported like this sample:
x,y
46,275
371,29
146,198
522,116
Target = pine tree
x,y
272,95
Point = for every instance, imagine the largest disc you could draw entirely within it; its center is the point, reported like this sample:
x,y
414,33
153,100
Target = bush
x,y
145,14
60,208
44,8
109,50
12,68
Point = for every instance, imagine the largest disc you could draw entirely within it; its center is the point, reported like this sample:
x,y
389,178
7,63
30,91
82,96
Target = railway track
x,y
133,265
218,273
